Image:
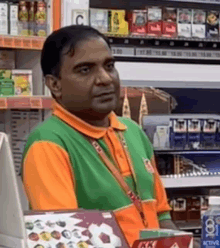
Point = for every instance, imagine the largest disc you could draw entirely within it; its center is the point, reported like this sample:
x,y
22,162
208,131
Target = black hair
x,y
67,37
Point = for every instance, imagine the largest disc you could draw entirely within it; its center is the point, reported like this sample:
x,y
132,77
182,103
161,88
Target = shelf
x,y
27,102
20,42
144,47
176,152
178,181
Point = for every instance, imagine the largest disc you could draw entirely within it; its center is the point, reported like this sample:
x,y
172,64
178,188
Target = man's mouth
x,y
106,93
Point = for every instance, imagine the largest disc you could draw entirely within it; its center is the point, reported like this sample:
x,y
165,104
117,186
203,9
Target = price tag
x,y
122,51
37,43
3,103
36,102
27,43
18,42
177,54
8,42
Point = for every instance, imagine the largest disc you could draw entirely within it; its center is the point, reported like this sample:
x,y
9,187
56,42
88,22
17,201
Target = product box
x,y
22,82
204,204
164,238
169,25
179,134
13,19
31,19
138,25
194,133
212,24
6,83
154,25
99,19
161,138
40,17
184,19
117,23
23,9
199,23
209,127
4,18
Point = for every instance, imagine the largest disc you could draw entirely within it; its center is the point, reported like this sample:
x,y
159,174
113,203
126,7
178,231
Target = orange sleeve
x,y
162,206
48,178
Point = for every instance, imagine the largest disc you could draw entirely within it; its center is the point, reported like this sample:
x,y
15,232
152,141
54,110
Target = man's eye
x,y
110,66
84,70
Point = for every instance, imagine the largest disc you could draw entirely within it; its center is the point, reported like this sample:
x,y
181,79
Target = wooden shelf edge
x,y
27,102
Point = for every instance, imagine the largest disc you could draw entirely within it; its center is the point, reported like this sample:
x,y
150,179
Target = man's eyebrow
x,y
85,63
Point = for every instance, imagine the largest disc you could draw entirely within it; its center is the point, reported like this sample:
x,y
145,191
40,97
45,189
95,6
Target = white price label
x,y
178,54
122,51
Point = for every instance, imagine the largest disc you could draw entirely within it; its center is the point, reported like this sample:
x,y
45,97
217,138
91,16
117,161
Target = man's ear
x,y
54,84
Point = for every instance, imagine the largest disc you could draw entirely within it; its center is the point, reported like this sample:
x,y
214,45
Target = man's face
x,y
89,81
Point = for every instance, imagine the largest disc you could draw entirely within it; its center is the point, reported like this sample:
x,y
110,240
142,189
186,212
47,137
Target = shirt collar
x,y
84,127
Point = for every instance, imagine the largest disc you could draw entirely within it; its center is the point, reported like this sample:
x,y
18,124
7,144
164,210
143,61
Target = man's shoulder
x,y
49,131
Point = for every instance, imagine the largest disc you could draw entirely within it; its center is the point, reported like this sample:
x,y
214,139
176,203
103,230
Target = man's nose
x,y
103,77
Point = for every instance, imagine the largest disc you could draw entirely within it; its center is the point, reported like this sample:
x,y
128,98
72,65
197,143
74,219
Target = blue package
x,y
208,135
194,133
179,137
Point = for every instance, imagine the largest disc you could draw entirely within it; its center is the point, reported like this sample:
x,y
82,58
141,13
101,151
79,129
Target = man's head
x,y
79,69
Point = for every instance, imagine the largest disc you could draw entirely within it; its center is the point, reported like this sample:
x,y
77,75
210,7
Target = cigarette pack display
x,y
184,22
169,25
13,19
31,19
6,83
199,24
208,134
179,134
138,22
212,24
154,25
3,18
99,19
23,9
194,133
40,17
22,82
117,23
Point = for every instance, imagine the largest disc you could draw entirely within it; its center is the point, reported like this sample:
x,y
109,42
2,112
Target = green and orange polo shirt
x,y
62,170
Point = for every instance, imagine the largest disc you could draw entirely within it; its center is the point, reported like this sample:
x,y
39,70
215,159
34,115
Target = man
x,y
63,167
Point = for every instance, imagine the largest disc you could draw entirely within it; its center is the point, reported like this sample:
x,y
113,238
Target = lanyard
x,y
133,197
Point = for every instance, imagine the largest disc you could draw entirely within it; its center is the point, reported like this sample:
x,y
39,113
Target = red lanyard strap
x,y
134,198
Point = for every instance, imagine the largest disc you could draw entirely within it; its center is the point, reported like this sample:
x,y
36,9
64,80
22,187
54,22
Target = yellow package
x,y
22,82
117,22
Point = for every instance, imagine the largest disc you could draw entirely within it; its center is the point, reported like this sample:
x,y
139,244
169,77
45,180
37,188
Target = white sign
x,y
80,17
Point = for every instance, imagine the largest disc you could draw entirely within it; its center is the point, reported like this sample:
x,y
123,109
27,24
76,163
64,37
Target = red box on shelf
x,y
169,24
138,22
154,25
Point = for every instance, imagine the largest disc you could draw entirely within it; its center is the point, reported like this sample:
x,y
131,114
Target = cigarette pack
x,y
212,24
208,135
40,18
99,19
178,134
154,25
4,18
199,24
194,133
139,22
23,9
13,19
169,25
184,19
117,22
